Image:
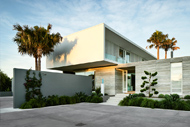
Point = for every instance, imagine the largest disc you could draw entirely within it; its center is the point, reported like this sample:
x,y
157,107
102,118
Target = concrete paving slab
x,y
93,115
6,102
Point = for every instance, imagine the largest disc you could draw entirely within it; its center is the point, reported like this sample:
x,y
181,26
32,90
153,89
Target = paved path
x,y
6,105
95,115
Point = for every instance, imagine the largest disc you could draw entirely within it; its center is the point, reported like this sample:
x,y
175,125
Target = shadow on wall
x,y
59,56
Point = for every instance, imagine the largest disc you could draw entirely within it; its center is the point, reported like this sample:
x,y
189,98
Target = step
x,y
114,101
110,103
121,95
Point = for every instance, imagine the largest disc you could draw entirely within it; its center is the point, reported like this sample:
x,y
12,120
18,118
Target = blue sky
x,y
135,19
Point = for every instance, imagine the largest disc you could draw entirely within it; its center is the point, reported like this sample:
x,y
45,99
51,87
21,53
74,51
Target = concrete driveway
x,y
95,115
6,102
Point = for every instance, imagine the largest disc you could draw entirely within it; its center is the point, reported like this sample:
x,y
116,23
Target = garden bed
x,y
172,101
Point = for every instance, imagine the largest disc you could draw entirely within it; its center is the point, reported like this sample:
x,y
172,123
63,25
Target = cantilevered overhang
x,y
127,44
84,66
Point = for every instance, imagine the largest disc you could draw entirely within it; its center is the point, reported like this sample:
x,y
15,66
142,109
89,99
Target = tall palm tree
x,y
166,46
24,40
156,41
173,45
36,41
169,44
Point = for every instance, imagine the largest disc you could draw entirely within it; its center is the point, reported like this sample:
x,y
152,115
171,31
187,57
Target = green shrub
x,y
78,99
187,97
82,96
62,100
175,97
88,99
170,102
124,102
52,100
26,105
96,99
67,99
181,105
135,101
34,103
148,103
141,95
73,100
165,104
161,96
135,95
98,90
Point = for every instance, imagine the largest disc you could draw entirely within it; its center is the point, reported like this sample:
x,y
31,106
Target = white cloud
x,y
135,19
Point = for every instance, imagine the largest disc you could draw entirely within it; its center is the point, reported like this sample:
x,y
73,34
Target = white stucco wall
x,y
78,48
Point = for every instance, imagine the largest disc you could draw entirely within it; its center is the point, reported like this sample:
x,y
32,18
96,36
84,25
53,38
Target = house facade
x,y
105,54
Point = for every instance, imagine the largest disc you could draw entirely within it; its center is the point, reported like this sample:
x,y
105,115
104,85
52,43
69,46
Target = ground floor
x,y
173,76
93,115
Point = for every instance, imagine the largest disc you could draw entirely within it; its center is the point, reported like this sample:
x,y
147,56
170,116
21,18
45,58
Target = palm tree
x,y
166,46
24,40
156,39
36,41
173,45
169,44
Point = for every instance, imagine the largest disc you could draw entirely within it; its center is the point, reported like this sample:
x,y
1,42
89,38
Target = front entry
x,y
128,81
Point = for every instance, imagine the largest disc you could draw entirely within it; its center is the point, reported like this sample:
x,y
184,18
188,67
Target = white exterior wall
x,y
81,47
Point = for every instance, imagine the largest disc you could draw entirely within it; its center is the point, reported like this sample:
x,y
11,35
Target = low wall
x,y
52,84
5,93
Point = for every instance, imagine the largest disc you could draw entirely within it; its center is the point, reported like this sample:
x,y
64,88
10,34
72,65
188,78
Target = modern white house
x,y
106,54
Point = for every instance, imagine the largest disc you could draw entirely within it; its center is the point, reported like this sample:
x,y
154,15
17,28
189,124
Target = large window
x,y
127,57
121,58
176,78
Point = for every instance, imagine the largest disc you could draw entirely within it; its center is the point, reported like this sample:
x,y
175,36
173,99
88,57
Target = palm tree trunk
x,y
36,63
165,54
39,63
39,52
157,52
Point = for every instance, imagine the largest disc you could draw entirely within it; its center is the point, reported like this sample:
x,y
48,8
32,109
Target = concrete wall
x,y
118,82
78,48
52,84
6,93
163,67
112,79
108,74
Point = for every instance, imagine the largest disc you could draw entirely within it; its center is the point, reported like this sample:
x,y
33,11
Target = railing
x,y
114,58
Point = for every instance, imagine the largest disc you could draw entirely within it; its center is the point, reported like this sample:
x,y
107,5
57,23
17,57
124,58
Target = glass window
x,y
121,53
176,78
127,57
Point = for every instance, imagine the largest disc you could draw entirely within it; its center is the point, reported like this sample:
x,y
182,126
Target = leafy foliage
x,y
156,40
5,82
32,86
187,97
35,41
98,90
82,96
161,96
170,102
56,100
148,83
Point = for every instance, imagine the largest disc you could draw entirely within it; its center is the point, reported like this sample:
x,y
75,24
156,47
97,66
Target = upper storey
x,y
96,46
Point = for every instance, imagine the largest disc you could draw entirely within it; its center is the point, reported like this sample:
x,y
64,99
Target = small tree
x,y
5,82
148,83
